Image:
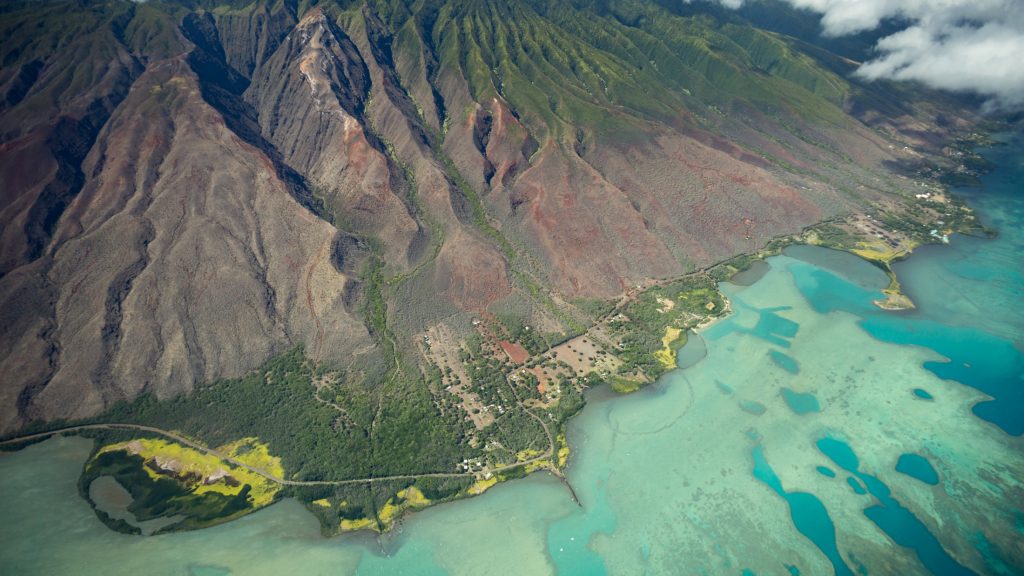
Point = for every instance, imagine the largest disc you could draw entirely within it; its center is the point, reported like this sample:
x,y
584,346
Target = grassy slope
x,y
563,67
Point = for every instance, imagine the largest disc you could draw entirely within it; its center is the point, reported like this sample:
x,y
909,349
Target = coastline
x,y
556,459
392,516
896,301
535,518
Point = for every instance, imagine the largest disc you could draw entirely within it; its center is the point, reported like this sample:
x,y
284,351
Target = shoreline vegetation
x,y
518,388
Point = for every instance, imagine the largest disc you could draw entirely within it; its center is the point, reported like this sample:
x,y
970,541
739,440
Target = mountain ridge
x,y
212,185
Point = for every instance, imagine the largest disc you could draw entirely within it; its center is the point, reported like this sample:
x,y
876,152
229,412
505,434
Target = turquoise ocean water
x,y
809,433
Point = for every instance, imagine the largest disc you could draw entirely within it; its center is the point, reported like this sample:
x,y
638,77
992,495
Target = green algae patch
x,y
347,525
389,512
414,497
649,330
481,486
206,473
166,479
562,457
626,385
669,342
252,452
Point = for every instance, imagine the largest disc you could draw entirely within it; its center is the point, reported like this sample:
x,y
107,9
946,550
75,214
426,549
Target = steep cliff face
x,y
310,98
188,190
55,103
617,144
152,242
183,258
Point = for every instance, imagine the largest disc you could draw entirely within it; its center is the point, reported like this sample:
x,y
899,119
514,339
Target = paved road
x,y
254,469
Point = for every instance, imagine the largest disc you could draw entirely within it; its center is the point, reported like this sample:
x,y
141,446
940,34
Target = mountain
x,y
192,189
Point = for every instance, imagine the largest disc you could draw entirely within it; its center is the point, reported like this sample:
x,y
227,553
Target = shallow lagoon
x,y
687,476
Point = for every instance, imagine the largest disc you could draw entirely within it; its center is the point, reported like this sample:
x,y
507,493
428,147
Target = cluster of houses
x,y
470,465
880,233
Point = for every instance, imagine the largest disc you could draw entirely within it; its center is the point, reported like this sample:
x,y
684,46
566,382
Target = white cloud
x,y
986,59
958,45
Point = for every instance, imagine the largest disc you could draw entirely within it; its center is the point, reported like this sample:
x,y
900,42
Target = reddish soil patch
x,y
516,353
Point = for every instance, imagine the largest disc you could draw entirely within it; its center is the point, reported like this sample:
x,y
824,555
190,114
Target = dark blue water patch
x,y
775,328
692,352
862,570
856,486
723,387
994,560
850,266
785,361
793,570
923,394
828,292
752,407
896,521
770,327
801,402
754,272
826,471
748,572
809,515
917,466
978,359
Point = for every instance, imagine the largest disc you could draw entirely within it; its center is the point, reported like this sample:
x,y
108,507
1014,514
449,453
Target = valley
x,y
397,242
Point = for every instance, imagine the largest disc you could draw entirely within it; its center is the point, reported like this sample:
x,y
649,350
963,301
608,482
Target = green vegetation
x,y
650,327
480,218
517,331
322,427
574,327
156,493
594,307
376,506
566,66
570,71
513,430
571,400
374,308
278,404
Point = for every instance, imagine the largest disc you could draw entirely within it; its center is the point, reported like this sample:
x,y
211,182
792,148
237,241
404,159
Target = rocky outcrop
x,y
183,259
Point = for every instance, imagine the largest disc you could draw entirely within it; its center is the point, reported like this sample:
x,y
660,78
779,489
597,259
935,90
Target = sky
x,y
957,45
